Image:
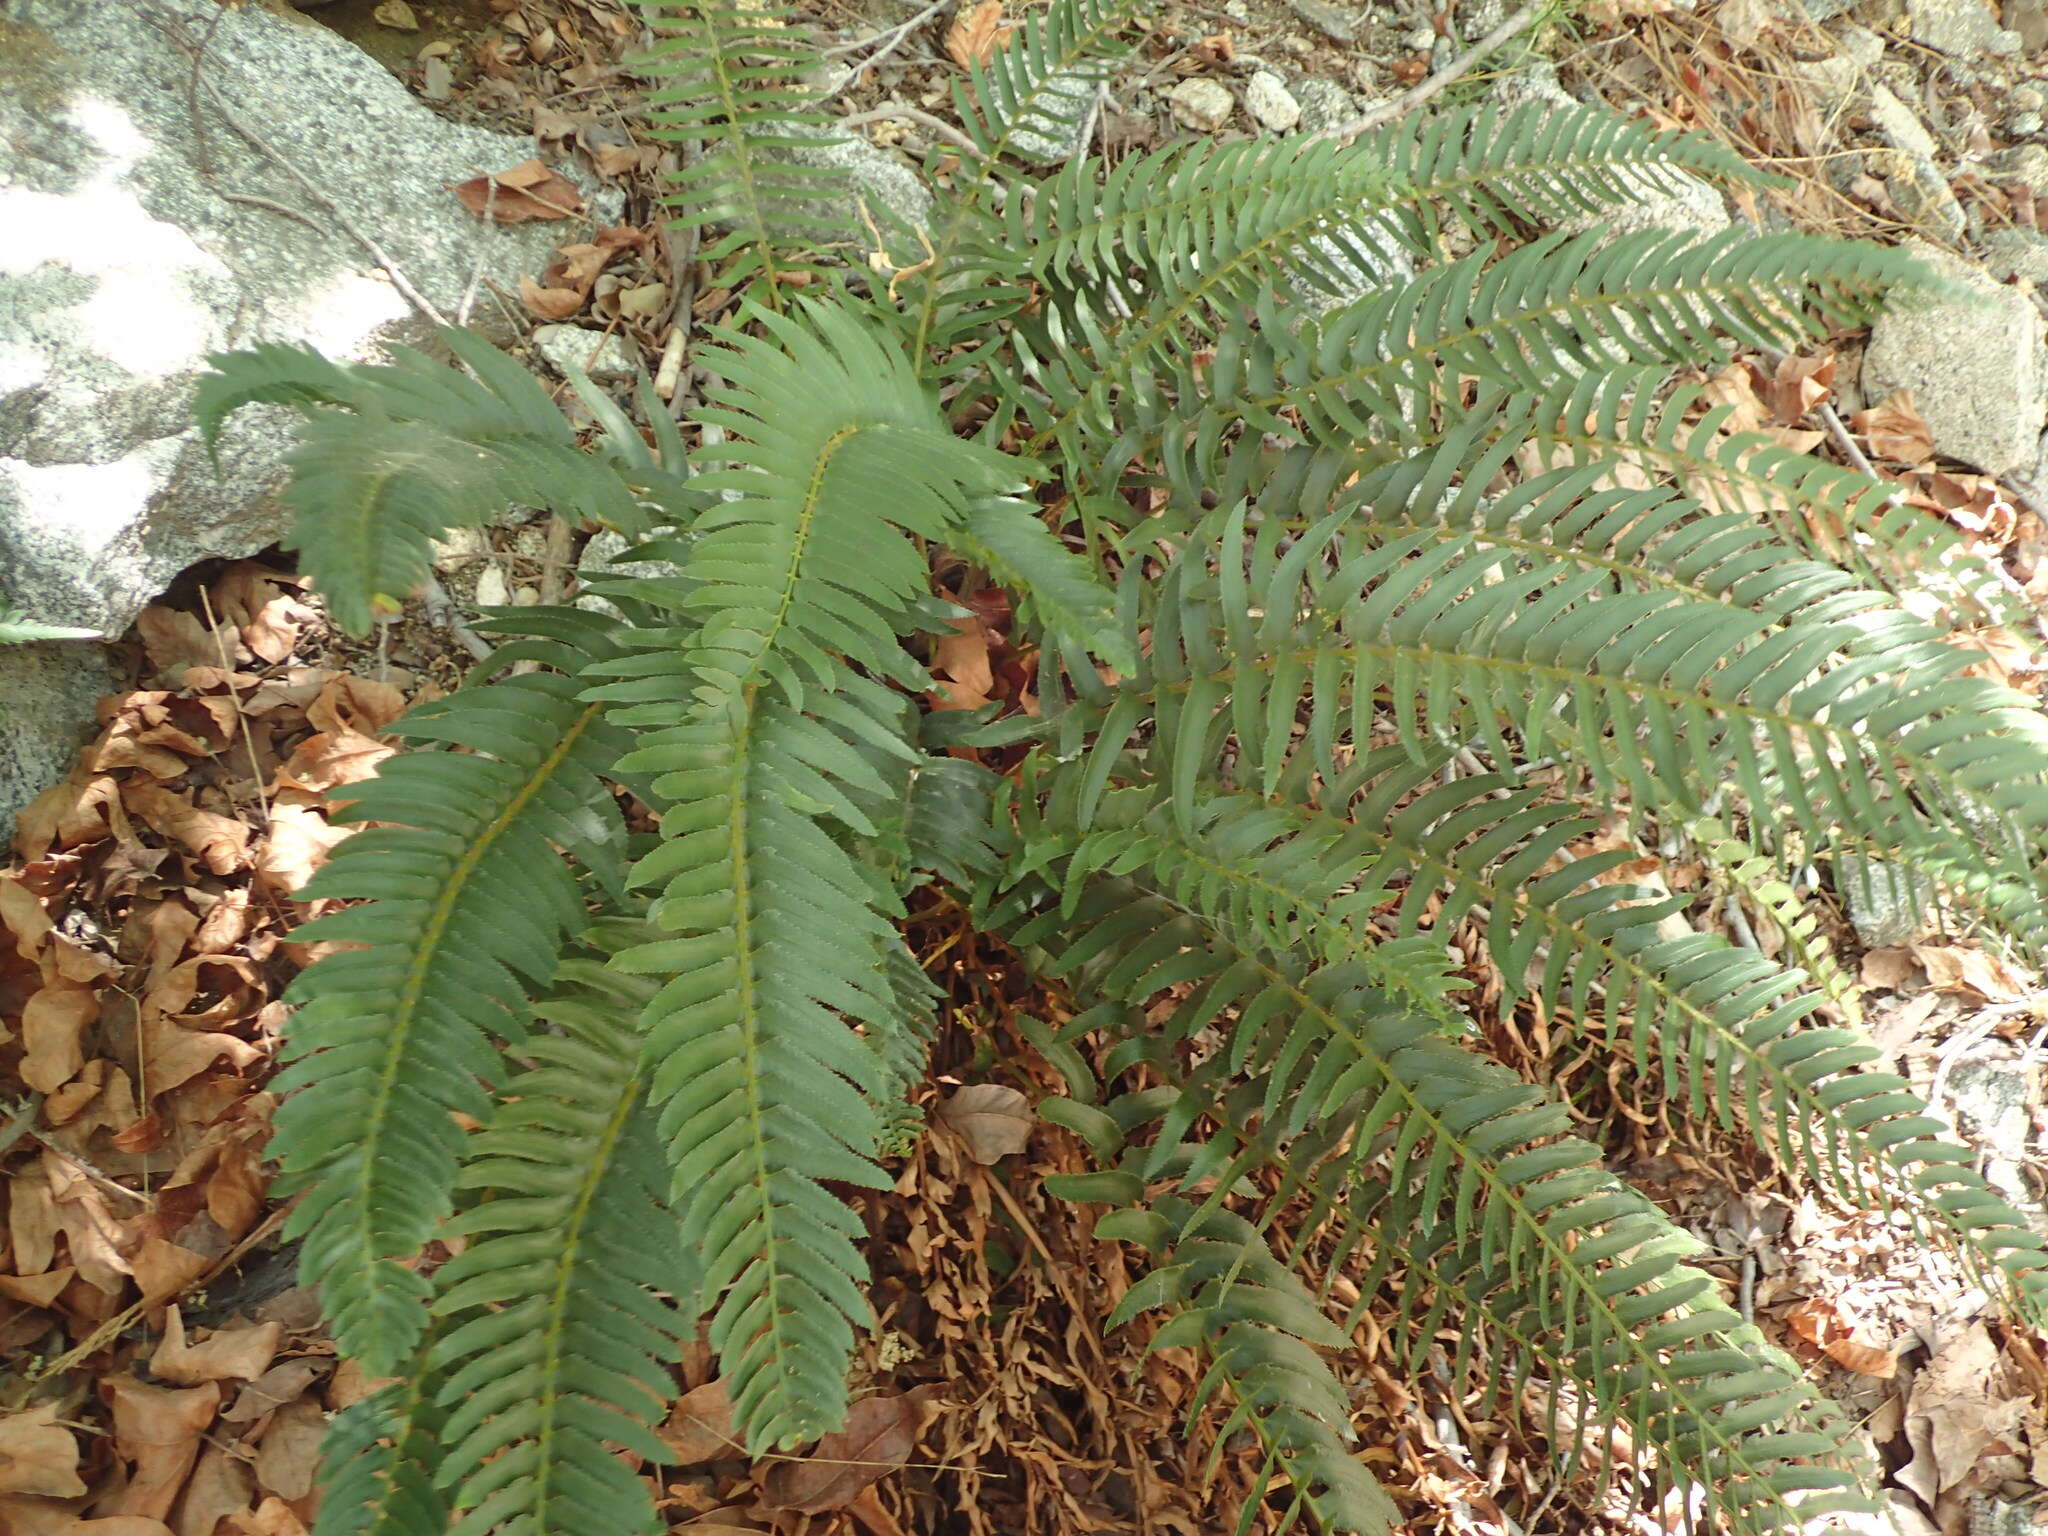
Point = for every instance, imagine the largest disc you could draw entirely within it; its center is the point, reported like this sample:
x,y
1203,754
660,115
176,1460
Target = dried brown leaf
x,y
1893,429
700,1426
880,1434
220,842
38,1455
529,190
282,1383
290,1454
993,1120
53,1023
174,640
157,1431
976,34
230,1354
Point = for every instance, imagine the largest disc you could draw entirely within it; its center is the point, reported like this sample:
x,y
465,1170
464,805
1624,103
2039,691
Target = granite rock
x,y
1973,359
123,265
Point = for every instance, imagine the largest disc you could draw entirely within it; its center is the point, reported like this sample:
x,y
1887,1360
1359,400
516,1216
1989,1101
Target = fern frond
x,y
465,906
764,1090
805,567
1479,1149
377,1464
730,97
390,458
1227,1296
555,1350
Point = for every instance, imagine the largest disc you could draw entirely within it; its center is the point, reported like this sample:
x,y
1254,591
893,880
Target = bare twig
x,y
441,610
1833,422
890,39
483,250
1387,111
265,203
936,126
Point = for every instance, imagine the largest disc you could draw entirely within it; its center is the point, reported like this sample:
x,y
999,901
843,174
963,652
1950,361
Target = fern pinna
x,y
1338,489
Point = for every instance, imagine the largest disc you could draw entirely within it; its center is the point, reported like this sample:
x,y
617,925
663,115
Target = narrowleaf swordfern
x,y
1325,534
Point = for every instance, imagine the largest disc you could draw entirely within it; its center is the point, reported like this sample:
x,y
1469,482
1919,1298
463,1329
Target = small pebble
x,y
1269,103
2024,125
2028,98
1421,39
1202,105
492,590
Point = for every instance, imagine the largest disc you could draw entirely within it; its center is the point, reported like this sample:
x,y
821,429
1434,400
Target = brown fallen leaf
x,y
273,1517
281,1384
290,1454
880,1434
976,34
220,1488
220,842
1893,430
157,1431
1954,968
548,303
231,1354
700,1427
174,640
53,1022
1799,384
38,1455
529,190
993,1120
964,675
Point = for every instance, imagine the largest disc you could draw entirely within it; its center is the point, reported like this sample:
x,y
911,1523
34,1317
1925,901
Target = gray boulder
x,y
1973,359
133,243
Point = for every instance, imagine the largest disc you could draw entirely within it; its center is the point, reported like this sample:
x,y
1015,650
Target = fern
x,y
729,97
1337,532
465,908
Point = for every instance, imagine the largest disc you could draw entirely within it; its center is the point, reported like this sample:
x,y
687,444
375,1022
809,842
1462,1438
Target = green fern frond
x,y
805,566
390,458
1249,1315
555,1350
465,906
731,98
1476,1146
377,1460
763,1087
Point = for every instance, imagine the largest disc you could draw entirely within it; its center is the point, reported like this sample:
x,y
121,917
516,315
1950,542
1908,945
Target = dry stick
x,y
895,37
483,250
933,125
377,252
1436,84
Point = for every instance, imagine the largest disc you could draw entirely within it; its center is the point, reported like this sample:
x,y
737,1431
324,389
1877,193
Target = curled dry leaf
x,y
879,1436
220,842
289,1457
1894,430
38,1456
174,640
993,1120
961,667
1954,968
977,33
156,1430
528,191
700,1426
283,1383
231,1354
